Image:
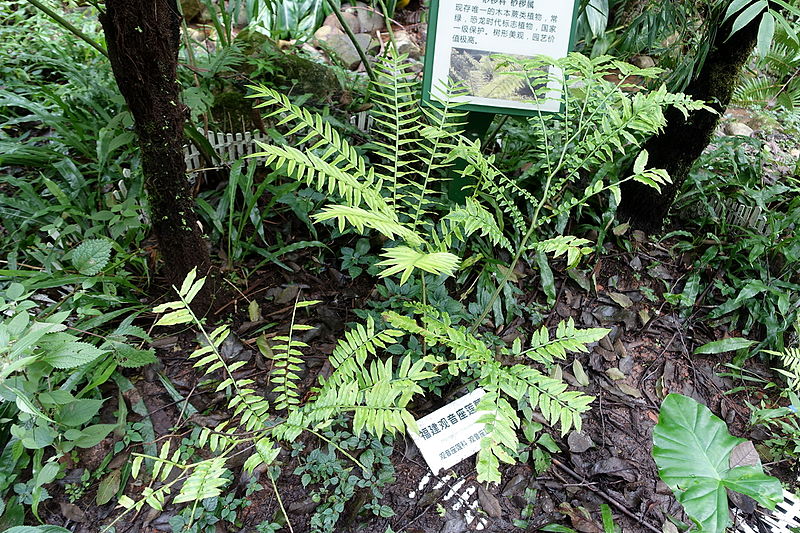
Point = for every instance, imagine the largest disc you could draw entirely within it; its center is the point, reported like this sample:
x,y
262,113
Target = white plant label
x,y
469,34
452,433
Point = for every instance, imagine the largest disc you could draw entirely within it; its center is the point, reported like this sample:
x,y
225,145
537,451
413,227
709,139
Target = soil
x,y
646,356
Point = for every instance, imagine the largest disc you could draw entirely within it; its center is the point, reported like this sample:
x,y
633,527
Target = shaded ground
x,y
646,356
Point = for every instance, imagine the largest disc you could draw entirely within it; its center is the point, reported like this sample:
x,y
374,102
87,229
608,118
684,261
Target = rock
x,y
325,32
369,20
579,442
737,129
345,51
407,46
643,61
288,69
191,9
350,18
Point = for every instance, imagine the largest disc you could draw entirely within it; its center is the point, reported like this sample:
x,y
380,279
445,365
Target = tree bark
x,y
683,141
143,37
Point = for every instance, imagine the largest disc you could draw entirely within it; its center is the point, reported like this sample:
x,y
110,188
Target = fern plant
x,y
789,358
777,78
396,193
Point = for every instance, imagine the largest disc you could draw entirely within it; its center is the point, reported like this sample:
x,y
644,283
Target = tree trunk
x,y
683,141
143,38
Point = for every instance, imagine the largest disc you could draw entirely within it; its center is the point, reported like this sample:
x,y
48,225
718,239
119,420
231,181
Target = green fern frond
x,y
206,481
397,121
285,355
790,360
550,396
567,339
406,260
385,223
325,177
464,221
351,351
319,133
501,442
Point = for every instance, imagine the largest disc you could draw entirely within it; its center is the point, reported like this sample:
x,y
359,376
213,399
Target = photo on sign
x,y
485,74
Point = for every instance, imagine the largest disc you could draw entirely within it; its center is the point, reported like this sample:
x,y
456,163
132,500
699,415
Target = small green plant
x,y
748,260
209,515
339,487
356,260
699,460
51,377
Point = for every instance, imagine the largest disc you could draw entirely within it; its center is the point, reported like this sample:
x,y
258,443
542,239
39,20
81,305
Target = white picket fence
x,y
231,147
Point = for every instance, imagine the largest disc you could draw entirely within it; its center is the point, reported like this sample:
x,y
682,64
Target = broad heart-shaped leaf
x,y
692,449
91,256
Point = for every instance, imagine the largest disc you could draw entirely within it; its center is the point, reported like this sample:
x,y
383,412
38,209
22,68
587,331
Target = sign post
x,y
464,40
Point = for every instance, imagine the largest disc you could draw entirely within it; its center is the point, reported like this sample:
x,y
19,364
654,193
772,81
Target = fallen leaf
x,y
580,374
621,229
581,520
70,511
489,503
744,454
254,311
621,299
614,466
630,391
108,487
669,527
615,374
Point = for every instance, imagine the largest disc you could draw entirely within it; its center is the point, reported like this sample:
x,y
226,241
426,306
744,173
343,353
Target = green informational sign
x,y
465,35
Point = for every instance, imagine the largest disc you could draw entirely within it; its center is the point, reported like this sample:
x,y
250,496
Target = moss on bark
x,y
683,140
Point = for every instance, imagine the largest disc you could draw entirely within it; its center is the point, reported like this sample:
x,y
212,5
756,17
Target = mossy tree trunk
x,y
143,38
684,140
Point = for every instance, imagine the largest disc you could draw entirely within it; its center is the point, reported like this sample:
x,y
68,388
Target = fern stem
x,y
337,447
280,502
346,27
429,163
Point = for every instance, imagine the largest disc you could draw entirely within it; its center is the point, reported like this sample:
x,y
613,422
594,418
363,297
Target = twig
x,y
351,35
64,23
606,497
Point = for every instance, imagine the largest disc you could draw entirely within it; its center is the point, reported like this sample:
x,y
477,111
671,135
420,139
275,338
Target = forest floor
x,y
647,355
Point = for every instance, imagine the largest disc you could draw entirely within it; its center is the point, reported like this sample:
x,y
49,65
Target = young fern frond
x,y
573,247
318,133
286,358
384,223
463,221
206,481
568,338
397,121
407,260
